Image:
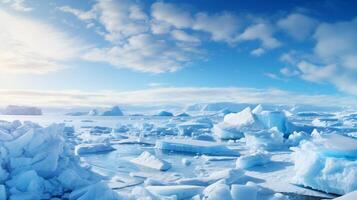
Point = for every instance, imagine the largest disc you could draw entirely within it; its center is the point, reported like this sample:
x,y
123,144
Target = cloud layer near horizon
x,y
168,95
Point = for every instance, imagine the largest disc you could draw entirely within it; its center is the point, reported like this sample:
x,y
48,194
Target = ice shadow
x,y
271,167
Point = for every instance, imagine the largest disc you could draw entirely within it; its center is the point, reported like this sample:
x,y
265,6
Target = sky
x,y
105,52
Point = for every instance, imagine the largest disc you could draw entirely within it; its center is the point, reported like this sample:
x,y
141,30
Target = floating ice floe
x,y
234,125
230,176
327,163
195,146
180,191
38,163
93,148
251,160
149,160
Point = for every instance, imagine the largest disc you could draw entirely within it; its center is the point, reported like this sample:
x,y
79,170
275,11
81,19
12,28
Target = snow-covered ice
x,y
253,159
146,159
327,163
212,154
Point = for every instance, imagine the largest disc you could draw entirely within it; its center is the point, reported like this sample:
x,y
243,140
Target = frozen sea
x,y
130,136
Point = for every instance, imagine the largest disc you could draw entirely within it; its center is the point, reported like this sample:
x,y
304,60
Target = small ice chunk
x,y
226,131
278,196
246,192
217,191
265,139
149,160
93,148
187,128
251,160
296,137
186,161
195,146
180,191
244,118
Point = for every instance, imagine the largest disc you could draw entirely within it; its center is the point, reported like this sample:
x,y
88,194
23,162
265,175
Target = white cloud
x,y
184,37
171,14
337,43
82,15
222,26
166,14
172,95
262,32
18,5
286,71
257,52
299,26
143,53
30,46
334,56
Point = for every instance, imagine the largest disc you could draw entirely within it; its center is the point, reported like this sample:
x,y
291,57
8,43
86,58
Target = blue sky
x,y
88,52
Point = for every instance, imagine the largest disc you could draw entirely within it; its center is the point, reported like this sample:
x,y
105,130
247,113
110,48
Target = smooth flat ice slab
x,y
196,147
149,160
93,148
180,191
230,176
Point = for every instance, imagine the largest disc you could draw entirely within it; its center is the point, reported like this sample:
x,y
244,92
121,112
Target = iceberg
x,y
327,163
22,110
114,111
195,147
234,125
147,159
